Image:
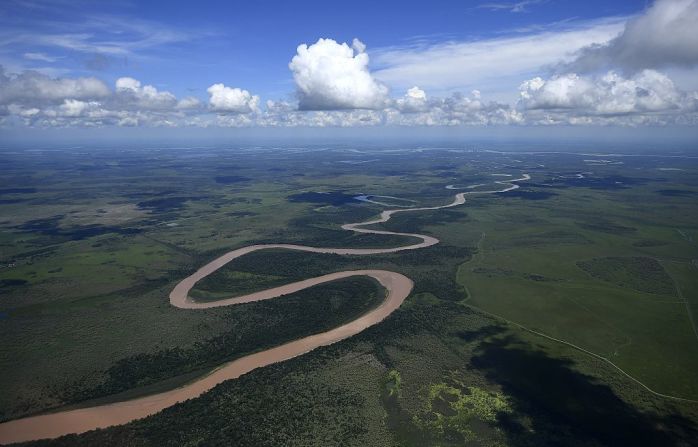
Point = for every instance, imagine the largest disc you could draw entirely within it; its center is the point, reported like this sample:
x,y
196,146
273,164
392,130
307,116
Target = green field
x,y
556,314
599,289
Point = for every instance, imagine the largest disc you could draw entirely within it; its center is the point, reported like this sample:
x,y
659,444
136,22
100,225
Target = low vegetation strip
x,y
638,273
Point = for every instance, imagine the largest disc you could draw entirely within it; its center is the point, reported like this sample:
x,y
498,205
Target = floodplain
x,y
562,312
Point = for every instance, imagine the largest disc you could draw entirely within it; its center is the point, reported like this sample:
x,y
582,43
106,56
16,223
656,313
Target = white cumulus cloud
x,y
415,100
188,103
333,76
36,99
130,91
74,107
646,92
232,100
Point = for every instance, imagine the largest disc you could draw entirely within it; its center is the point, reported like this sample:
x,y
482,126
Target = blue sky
x,y
250,43
69,63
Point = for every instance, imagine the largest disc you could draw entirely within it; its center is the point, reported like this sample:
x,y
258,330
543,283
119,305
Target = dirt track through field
x,y
398,287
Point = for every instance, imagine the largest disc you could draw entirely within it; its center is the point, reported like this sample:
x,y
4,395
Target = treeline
x,y
287,403
433,269
280,405
324,230
253,327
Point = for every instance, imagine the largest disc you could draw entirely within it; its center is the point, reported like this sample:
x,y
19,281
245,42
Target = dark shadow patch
x,y
677,193
608,227
44,226
479,334
649,243
446,174
556,405
334,198
392,172
12,282
18,191
528,195
50,227
245,200
611,182
141,194
225,168
230,179
93,168
241,214
539,278
493,272
164,204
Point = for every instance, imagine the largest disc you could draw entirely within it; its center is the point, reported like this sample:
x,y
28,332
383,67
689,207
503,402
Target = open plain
x,y
570,298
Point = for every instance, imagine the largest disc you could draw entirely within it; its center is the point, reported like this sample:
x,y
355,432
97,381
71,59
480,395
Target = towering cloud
x,y
665,35
333,76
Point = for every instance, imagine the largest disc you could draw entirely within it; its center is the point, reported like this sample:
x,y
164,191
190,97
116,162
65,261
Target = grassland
x,y
600,287
93,244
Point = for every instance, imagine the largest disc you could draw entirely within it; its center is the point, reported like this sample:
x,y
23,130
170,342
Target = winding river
x,y
398,287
